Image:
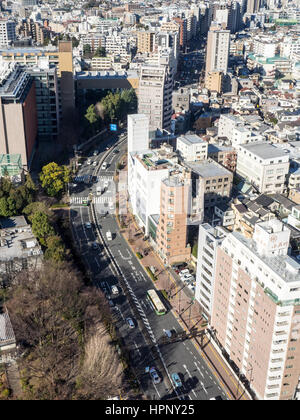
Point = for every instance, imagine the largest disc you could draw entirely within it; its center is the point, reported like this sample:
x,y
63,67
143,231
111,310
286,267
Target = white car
x,y
89,161
114,290
106,184
94,163
191,287
183,272
109,235
104,166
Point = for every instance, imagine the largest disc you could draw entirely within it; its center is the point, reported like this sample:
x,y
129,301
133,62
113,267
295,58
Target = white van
x,y
109,235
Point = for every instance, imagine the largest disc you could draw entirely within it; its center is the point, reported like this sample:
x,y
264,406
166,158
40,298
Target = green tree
x,y
37,206
54,178
129,98
4,208
112,105
92,119
55,249
75,42
100,52
86,49
41,227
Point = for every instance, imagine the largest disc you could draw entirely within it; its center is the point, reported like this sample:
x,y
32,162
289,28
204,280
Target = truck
x,y
109,235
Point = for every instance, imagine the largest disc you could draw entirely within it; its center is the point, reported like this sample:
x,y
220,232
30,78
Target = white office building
x,y
192,148
146,170
264,165
137,132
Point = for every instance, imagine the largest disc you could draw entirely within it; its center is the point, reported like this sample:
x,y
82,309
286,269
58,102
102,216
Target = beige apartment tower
x,y
213,81
155,96
256,309
145,41
217,50
172,227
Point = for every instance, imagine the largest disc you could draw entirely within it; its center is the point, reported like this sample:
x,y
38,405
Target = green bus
x,y
155,302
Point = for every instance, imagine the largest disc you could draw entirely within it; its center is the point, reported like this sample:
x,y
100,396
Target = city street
x,y
145,343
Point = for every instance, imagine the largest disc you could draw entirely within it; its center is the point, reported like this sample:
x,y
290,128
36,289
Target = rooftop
x,y
208,169
264,150
283,265
191,139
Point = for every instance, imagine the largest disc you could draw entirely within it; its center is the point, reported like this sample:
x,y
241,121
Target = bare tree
x,y
57,320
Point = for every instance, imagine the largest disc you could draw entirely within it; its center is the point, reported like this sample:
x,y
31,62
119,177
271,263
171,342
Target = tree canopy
x,y
59,325
13,199
54,178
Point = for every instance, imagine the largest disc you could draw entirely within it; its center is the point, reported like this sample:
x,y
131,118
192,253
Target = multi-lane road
x,y
113,263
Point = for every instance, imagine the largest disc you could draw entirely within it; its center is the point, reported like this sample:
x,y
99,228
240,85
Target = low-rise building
x,y
264,165
19,249
216,181
192,148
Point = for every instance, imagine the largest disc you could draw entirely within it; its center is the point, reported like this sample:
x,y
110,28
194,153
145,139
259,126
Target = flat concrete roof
x,y
208,169
264,150
191,139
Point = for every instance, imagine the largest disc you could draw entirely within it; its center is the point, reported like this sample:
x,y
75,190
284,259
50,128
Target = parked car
x,y
183,272
154,375
95,152
130,322
176,380
88,225
95,246
94,163
89,161
187,277
114,290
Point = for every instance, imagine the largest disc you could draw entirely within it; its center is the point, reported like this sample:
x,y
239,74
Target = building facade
x,y
256,307
155,96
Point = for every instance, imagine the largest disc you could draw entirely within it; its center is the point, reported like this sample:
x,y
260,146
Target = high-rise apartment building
x,y
256,309
209,239
217,50
253,6
18,115
145,41
61,58
7,32
29,28
183,34
47,101
137,132
146,169
171,238
155,96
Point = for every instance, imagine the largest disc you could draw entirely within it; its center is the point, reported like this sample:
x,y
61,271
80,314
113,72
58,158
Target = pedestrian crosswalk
x,y
102,199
